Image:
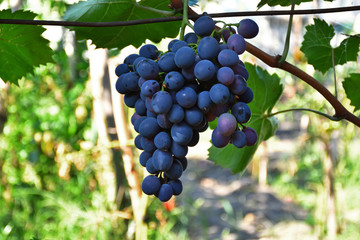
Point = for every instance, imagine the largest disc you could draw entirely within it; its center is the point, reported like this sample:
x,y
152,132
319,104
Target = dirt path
x,y
220,205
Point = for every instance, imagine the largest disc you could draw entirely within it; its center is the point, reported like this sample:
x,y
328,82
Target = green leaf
x,y
121,10
316,46
21,47
282,2
267,90
352,85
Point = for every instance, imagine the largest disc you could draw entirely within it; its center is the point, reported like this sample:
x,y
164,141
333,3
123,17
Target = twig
x,y
192,16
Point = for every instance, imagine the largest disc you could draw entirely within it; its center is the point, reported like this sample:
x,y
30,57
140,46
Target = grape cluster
x,y
178,92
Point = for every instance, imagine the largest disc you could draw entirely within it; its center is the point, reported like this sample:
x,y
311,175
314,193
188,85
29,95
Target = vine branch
x,y
192,16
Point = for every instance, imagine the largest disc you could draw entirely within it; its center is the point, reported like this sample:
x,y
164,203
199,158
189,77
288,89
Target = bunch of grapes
x,y
178,92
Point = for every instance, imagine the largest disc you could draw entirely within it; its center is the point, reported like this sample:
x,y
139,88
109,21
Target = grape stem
x,y
288,34
333,118
185,19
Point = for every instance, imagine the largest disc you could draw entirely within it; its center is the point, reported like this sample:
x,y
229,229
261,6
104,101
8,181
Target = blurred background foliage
x,y
50,185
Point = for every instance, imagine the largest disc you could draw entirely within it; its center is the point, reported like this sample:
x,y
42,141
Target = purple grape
x,y
236,43
121,69
148,69
219,94
148,144
176,114
208,48
228,58
226,124
185,57
204,26
149,51
193,116
251,136
248,28
163,121
162,141
238,139
241,70
204,102
247,96
174,80
165,192
186,97
204,70
149,127
162,160
241,112
149,88
161,102
181,133
151,185
178,150
129,60
167,62
225,75
175,170
178,45
238,86
176,186
218,140
190,38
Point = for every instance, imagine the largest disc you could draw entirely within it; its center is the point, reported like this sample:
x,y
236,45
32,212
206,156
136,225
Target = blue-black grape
x,y
176,186
176,114
174,80
149,88
149,51
219,140
151,185
150,167
186,97
167,62
149,127
165,192
228,58
204,26
204,102
219,94
162,141
181,133
241,112
238,139
251,136
193,116
225,75
208,48
185,57
204,70
161,102
144,156
178,150
190,38
239,85
236,43
226,124
121,69
248,28
162,160
148,69
175,171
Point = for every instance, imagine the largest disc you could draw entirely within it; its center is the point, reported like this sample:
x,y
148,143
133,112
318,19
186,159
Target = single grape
x,y
165,192
226,124
236,43
149,51
176,114
204,26
228,58
167,62
208,48
225,75
204,70
149,88
251,136
121,69
186,97
241,112
248,28
149,127
185,57
226,32
151,185
219,94
137,60
193,116
218,140
148,69
174,80
162,141
238,139
138,122
181,133
162,160
238,86
161,102
134,117
130,81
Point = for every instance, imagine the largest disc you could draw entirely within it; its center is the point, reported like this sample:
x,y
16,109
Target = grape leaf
x,y
352,85
282,2
316,46
267,90
124,10
21,47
